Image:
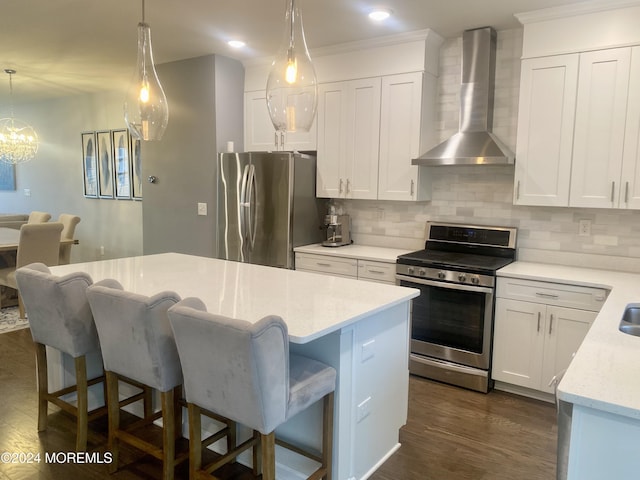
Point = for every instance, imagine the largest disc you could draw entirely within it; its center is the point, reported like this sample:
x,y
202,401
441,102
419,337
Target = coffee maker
x,y
338,228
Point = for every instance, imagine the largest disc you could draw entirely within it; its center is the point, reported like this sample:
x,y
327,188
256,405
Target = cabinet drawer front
x,y
378,271
325,264
550,293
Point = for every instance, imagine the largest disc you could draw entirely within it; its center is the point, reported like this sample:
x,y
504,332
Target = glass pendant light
x,y
145,109
292,87
18,141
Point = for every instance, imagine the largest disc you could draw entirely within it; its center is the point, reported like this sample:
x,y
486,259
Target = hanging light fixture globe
x,y
18,140
146,111
292,86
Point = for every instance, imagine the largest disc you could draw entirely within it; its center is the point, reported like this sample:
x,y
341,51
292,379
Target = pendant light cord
x,y
142,11
10,72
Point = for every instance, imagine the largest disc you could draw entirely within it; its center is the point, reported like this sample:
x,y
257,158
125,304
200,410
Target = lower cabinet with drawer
x,y
538,328
347,267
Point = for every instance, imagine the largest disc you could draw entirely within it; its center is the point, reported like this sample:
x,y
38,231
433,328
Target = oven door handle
x,y
451,286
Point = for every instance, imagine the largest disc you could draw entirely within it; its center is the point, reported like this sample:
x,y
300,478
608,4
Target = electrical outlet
x,y
364,409
102,250
584,228
202,208
27,192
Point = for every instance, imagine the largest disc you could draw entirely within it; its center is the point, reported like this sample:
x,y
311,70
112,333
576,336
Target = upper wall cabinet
x,y
578,130
259,134
579,119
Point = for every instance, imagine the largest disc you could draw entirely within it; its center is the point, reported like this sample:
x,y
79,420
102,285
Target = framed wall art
x,y
121,163
89,164
105,164
136,169
7,176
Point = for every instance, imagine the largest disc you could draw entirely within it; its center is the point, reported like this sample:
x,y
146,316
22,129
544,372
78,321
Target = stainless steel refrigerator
x,y
266,206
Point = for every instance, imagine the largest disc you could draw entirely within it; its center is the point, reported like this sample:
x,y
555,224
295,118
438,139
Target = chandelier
x,y
18,141
292,87
146,112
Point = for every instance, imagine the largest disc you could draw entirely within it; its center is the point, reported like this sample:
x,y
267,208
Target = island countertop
x,y
312,305
605,373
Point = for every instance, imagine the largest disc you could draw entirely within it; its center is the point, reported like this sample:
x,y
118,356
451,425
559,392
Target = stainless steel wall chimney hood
x,y
474,144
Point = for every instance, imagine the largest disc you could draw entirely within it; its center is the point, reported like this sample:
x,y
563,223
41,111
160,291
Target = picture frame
x,y
104,154
136,168
7,176
89,164
121,163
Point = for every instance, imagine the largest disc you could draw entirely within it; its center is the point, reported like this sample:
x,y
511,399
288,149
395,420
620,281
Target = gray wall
x,y
201,110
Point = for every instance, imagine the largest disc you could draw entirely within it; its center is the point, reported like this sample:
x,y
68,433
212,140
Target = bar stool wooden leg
x,y
177,411
257,450
147,401
113,406
268,447
83,403
327,435
168,434
195,440
43,385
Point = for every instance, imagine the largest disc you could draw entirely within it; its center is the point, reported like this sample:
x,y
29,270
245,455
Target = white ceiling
x,y
65,47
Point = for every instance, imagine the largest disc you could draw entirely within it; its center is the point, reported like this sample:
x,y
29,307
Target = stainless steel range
x,y
452,319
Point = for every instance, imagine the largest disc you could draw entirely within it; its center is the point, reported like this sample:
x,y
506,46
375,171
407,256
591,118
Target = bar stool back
x,y
244,372
137,343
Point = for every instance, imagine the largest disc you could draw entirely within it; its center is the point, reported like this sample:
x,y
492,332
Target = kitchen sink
x,y
630,322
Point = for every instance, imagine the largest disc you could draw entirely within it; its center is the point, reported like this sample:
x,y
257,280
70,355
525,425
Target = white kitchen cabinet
x,y
259,134
400,136
348,139
548,88
538,328
629,196
601,107
369,270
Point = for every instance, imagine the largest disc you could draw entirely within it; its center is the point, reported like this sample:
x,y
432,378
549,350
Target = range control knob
x,y
475,280
422,272
411,270
462,277
441,275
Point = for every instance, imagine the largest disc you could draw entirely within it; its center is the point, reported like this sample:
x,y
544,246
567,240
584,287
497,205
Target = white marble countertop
x,y
605,373
360,252
312,305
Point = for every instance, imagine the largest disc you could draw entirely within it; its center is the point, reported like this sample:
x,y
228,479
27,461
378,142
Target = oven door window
x,y
449,317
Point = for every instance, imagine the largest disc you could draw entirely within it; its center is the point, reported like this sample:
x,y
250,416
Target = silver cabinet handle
x,y
613,188
550,324
546,295
518,190
275,139
340,187
626,192
538,321
379,272
282,134
348,190
320,264
412,187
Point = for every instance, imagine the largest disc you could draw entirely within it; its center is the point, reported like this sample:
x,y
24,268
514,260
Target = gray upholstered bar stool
x,y
137,343
244,372
60,317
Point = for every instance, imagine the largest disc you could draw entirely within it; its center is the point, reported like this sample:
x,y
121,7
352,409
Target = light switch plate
x,y
202,208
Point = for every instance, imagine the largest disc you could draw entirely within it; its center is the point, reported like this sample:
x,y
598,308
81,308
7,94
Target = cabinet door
x,y
546,116
630,184
599,128
363,138
564,331
332,140
259,134
399,136
518,342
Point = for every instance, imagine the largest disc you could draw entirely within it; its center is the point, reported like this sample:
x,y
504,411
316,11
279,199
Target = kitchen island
x,y
602,382
360,328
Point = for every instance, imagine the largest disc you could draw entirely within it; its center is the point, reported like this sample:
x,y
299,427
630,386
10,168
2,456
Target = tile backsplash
x,y
483,194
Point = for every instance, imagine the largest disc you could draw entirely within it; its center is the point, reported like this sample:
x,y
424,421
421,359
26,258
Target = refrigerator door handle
x,y
242,210
251,210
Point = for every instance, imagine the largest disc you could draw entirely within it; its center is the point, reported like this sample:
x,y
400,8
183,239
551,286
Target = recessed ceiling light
x,y
380,14
236,43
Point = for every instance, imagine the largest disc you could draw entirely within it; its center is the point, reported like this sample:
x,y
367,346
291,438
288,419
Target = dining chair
x,y
69,223
137,343
38,243
244,372
39,217
60,318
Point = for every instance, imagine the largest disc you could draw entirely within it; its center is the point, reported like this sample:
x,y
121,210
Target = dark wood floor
x,y
451,433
